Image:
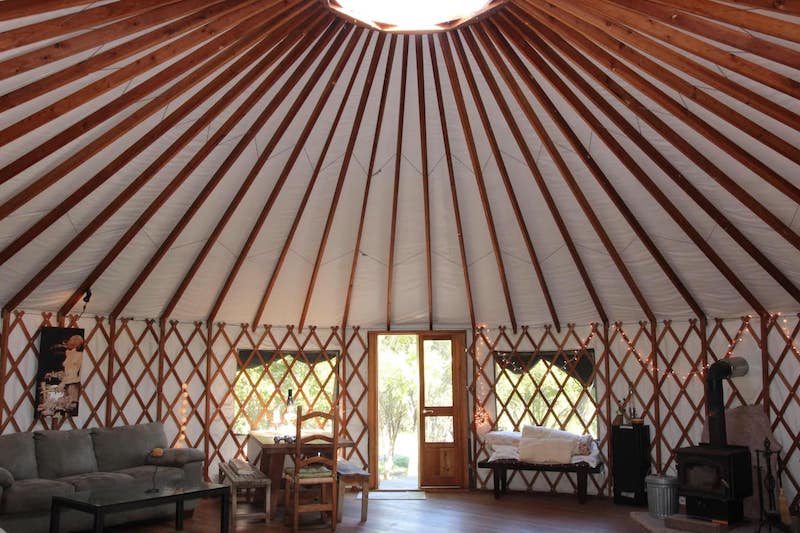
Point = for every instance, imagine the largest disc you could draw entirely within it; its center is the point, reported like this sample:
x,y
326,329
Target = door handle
x,y
427,411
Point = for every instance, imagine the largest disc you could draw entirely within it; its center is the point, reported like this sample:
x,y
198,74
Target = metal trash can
x,y
662,495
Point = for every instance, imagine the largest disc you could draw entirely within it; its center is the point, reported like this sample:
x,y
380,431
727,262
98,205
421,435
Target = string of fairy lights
x,y
482,387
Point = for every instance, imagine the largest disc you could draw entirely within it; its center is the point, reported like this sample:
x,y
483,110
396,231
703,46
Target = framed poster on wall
x,y
58,380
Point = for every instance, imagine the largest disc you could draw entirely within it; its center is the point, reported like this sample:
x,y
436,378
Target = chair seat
x,y
309,472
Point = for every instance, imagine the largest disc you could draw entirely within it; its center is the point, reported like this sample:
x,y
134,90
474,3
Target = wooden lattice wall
x,y
179,373
182,374
663,365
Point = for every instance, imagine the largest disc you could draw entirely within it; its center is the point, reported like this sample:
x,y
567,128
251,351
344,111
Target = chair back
x,y
309,433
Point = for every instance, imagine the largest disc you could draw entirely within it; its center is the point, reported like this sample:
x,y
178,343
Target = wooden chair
x,y
312,471
349,474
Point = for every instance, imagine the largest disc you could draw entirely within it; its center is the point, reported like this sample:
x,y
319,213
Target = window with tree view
x,y
547,388
264,378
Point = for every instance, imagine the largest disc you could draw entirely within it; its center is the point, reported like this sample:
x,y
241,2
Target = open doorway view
x,y
418,427
398,412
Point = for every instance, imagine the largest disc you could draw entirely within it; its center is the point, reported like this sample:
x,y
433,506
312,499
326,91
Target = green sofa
x,y
35,466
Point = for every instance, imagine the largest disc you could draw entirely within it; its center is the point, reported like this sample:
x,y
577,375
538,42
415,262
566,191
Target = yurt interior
x,y
399,266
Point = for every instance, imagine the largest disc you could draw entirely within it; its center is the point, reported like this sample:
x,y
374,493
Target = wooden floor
x,y
457,512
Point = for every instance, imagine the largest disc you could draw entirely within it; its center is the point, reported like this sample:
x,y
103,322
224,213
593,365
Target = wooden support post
x,y
6,315
112,355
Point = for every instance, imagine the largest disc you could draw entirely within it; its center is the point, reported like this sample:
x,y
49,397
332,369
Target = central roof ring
x,y
411,16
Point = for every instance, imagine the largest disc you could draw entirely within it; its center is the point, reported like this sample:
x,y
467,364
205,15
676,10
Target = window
x,y
264,378
546,388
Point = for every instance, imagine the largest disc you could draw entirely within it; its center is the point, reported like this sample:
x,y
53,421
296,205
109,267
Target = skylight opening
x,y
400,16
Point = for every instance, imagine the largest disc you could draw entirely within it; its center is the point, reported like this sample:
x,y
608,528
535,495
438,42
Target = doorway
x,y
417,410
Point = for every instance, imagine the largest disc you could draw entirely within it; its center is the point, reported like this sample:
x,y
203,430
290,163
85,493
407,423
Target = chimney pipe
x,y
722,369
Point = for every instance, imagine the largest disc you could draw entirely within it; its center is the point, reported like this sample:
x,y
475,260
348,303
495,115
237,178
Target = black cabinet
x,y
630,455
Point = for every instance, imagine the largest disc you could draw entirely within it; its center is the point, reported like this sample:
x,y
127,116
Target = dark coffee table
x,y
102,502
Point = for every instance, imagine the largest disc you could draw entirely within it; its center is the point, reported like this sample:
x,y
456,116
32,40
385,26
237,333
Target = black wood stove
x,y
715,478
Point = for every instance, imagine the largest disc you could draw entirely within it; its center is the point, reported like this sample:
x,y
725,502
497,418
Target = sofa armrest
x,y
6,479
177,457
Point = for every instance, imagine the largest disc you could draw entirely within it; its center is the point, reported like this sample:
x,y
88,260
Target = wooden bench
x,y
349,474
241,475
501,467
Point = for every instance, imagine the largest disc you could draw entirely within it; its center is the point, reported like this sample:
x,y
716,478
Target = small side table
x,y
241,475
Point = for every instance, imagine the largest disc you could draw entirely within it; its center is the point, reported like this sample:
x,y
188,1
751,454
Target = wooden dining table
x,y
271,457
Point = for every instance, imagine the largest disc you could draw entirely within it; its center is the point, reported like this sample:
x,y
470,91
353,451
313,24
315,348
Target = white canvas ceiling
x,y
270,162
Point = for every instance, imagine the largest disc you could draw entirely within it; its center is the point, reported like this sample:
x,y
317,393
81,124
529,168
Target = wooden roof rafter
x,y
122,198
263,65
348,155
189,11
687,148
620,16
567,175
80,156
601,178
294,78
218,33
683,19
368,184
451,175
256,229
478,172
501,166
551,34
426,202
70,23
398,154
534,169
225,166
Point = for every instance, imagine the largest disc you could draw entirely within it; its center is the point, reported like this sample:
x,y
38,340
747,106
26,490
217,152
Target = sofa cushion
x,y
31,495
165,475
64,453
98,480
126,446
18,455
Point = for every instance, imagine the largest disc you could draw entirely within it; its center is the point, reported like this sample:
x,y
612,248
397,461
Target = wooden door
x,y
443,424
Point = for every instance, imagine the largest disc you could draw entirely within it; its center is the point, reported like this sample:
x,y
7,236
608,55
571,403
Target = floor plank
x,y
451,512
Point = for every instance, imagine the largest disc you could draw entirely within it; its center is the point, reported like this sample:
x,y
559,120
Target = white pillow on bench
x,y
546,450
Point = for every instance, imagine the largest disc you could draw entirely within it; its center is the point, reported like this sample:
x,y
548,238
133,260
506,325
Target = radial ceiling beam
x,y
530,160
220,103
297,73
13,9
585,22
119,162
70,23
111,56
348,155
476,167
452,176
693,45
570,180
655,156
747,18
426,203
289,165
477,98
737,37
398,157
187,10
387,75
237,19
619,152
97,222
587,43
151,107
241,145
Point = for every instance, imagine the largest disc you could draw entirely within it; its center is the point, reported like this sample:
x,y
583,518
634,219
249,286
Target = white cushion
x,y
545,450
